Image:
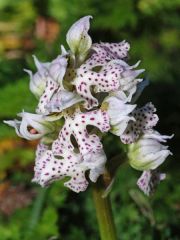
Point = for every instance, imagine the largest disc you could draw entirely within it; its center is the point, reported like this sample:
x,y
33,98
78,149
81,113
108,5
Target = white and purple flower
x,y
84,93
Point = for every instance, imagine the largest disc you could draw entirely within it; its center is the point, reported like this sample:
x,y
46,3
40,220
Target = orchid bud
x,y
78,39
148,152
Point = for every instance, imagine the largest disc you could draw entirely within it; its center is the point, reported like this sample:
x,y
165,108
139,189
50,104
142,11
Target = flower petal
x,y
50,169
32,126
118,112
54,71
41,149
57,69
51,88
148,153
139,90
129,80
107,79
95,162
149,181
14,123
145,119
76,126
62,100
38,80
77,37
112,50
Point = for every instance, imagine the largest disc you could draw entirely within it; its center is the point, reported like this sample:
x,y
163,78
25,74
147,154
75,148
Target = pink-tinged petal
x,y
107,79
50,169
113,50
102,74
96,60
41,149
145,120
51,88
149,181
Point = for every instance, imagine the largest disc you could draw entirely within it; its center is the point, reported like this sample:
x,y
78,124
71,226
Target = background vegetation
x,y
38,27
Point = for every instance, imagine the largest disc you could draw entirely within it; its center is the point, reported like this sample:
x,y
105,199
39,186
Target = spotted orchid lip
x,y
76,126
48,168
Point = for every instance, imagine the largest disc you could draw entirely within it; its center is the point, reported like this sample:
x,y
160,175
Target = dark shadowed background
x,y
27,27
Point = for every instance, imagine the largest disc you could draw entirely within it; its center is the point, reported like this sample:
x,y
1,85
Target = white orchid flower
x,y
32,126
53,71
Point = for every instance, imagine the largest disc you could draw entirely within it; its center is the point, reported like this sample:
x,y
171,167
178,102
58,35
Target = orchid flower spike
x,y
85,93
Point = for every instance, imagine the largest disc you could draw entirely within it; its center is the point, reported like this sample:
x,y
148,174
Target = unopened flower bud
x,y
148,152
78,39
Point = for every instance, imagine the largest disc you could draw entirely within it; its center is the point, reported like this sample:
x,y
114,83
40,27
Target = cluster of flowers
x,y
90,85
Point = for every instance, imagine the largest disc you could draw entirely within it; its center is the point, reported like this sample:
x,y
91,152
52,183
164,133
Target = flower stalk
x,y
104,211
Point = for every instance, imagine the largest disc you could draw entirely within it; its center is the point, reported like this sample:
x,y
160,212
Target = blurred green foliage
x,y
152,28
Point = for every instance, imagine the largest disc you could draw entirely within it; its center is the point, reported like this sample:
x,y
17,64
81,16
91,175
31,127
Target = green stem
x,y
36,212
104,212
